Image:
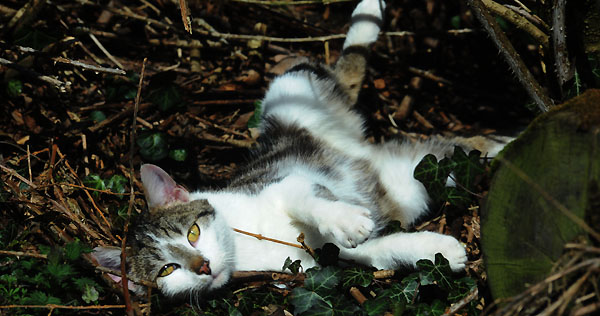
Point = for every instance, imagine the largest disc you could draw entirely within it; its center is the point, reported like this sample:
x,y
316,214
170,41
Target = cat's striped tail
x,y
350,69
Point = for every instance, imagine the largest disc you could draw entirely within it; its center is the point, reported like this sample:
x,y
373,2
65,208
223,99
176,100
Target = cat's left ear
x,y
160,189
110,257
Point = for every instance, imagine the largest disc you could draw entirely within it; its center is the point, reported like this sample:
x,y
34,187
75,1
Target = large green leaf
x,y
522,232
356,277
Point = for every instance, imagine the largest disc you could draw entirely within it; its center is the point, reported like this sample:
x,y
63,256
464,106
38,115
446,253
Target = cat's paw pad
x,y
449,247
349,225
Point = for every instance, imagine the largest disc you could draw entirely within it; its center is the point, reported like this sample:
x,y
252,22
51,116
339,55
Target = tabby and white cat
x,y
313,172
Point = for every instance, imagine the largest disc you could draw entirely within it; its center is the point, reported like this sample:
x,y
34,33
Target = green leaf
x,y
95,182
435,273
356,277
254,121
60,271
153,146
14,88
74,249
166,97
467,168
117,184
97,116
293,266
461,288
378,306
303,300
434,175
322,280
40,298
436,308
178,154
455,22
90,294
457,196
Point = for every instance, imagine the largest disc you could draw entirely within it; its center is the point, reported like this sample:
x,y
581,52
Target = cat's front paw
x,y
448,246
349,225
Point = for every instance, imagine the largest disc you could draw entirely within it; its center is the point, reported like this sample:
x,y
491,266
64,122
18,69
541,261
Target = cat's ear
x,y
160,189
110,258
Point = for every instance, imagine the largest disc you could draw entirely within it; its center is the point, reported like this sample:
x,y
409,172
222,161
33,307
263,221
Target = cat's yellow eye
x,y
193,234
167,269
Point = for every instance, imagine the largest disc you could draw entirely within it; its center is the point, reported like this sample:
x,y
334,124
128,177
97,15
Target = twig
x,y
357,295
462,303
16,174
186,16
512,57
253,276
229,141
261,237
62,86
519,21
124,282
106,53
88,66
117,117
23,254
564,71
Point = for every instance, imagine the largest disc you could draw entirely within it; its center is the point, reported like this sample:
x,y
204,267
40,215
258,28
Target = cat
x,y
312,172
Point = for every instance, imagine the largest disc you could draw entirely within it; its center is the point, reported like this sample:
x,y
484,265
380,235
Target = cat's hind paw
x,y
449,247
349,225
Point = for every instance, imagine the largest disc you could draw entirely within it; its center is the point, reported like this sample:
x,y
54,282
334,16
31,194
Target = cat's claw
x,y
349,225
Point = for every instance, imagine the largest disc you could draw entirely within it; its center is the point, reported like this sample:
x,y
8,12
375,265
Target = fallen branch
x,y
88,66
62,86
512,57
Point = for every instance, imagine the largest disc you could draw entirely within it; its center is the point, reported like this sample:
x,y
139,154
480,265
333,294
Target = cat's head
x,y
184,246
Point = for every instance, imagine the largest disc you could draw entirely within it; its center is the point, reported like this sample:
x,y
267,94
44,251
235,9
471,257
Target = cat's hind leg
x,y
405,249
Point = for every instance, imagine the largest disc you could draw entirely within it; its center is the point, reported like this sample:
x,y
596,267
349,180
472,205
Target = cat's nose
x,y
205,268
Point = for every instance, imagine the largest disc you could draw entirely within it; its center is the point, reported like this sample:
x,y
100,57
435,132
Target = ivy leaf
x,y
166,97
14,88
392,227
467,167
435,273
436,308
322,280
303,300
434,175
457,196
461,288
153,146
95,182
97,116
35,39
254,121
178,154
116,184
356,277
378,306
293,266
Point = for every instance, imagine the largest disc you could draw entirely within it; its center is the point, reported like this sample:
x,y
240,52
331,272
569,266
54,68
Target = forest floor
x,y
65,130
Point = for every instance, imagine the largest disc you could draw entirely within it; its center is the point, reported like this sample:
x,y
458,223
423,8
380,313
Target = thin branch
x,y
16,174
512,57
261,237
62,86
23,254
106,53
564,70
124,282
88,66
474,294
519,21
